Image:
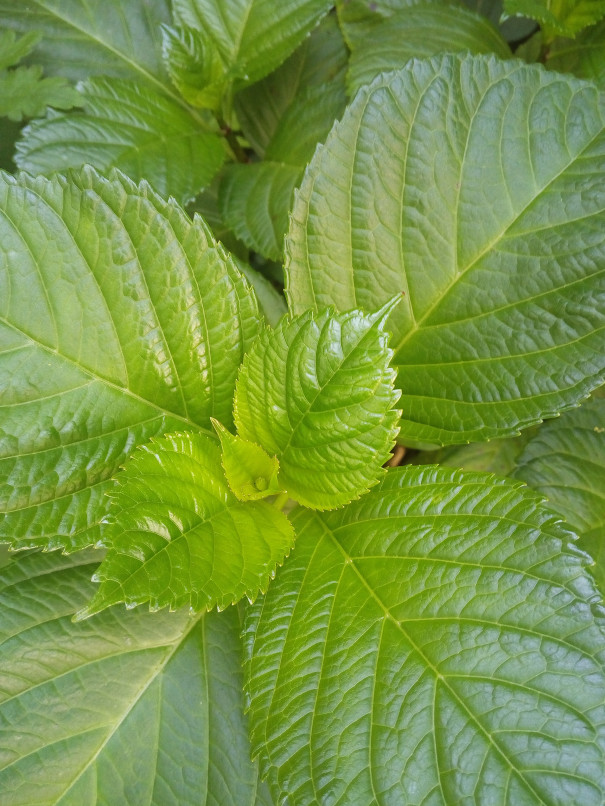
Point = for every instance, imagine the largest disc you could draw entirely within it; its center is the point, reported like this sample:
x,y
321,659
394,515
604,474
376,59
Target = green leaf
x,y
195,66
584,56
131,127
498,456
436,642
564,17
140,709
317,392
120,319
12,50
254,202
177,536
250,471
492,230
565,462
418,32
23,91
81,38
264,109
252,36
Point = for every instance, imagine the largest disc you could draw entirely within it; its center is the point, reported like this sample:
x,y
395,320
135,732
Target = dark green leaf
x,y
177,536
143,709
565,462
131,127
436,642
583,56
317,392
252,36
119,320
476,187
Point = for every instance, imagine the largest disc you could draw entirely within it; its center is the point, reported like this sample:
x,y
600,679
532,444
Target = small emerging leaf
x,y
250,471
318,393
12,50
178,537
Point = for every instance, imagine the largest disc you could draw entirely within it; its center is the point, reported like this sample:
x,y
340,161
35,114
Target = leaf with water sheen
x,y
476,185
177,536
123,709
436,642
565,461
131,127
120,319
317,392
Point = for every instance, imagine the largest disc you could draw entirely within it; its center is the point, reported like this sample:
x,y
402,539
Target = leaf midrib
x,y
437,676
461,272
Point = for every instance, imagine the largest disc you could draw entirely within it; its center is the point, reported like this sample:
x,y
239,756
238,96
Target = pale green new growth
x,y
317,392
562,17
250,471
177,536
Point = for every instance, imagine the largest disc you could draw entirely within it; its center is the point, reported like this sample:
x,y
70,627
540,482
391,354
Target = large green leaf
x,y
317,392
124,709
417,32
131,127
81,38
565,462
120,319
565,17
178,536
436,642
475,186
253,36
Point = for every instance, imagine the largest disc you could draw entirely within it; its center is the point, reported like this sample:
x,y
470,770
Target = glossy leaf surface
x,y
253,36
476,187
317,392
434,643
131,127
565,461
120,319
123,709
177,536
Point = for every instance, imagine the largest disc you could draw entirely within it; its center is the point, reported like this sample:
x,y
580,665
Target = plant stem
x,y
280,501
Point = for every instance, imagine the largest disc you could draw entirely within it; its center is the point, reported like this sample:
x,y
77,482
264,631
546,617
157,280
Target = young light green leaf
x,y
565,461
317,392
494,231
564,17
131,127
13,49
249,46
141,322
177,536
136,709
250,471
439,642
195,66
419,31
25,93
81,38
